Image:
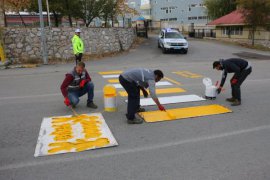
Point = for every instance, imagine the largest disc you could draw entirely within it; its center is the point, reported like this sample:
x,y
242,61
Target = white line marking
x,y
171,100
111,76
39,162
162,83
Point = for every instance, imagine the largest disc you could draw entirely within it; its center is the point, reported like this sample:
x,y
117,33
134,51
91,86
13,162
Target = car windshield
x,y
173,35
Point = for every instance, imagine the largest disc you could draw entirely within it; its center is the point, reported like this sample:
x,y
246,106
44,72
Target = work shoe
x,y
141,110
232,99
91,105
135,121
236,103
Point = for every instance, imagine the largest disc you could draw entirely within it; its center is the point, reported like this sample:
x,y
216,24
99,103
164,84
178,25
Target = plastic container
x,y
210,89
110,95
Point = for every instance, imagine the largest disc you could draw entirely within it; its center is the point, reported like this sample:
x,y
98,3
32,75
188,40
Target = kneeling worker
x,y
133,81
241,70
76,84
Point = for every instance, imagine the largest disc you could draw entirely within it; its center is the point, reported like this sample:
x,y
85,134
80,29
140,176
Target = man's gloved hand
x,y
145,94
67,102
219,89
161,108
234,81
82,83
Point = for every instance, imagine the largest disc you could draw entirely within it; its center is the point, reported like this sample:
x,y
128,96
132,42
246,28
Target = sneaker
x,y
135,121
232,99
236,103
141,110
91,105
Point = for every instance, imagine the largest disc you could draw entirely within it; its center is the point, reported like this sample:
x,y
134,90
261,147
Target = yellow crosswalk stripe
x,y
182,113
110,72
188,74
113,80
158,91
172,81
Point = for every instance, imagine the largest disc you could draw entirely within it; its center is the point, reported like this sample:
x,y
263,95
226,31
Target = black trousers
x,y
133,97
236,91
78,58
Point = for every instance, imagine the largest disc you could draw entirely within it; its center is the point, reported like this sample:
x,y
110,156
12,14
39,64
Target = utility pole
x,y
43,38
48,13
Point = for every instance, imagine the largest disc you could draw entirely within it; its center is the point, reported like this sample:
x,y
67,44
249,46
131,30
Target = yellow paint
x,y
109,91
158,91
181,113
188,74
172,81
113,80
79,145
63,132
2,53
110,72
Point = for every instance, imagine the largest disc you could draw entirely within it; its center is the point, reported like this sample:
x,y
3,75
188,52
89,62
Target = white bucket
x,y
210,89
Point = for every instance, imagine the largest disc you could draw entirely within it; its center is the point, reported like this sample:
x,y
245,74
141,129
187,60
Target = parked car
x,y
171,39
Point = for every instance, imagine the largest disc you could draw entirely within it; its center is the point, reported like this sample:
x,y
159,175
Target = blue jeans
x,y
73,95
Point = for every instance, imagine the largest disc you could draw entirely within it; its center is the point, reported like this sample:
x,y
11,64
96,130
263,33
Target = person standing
x,y
78,46
133,81
241,69
76,84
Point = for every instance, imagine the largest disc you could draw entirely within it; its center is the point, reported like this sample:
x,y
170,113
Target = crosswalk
x,y
167,87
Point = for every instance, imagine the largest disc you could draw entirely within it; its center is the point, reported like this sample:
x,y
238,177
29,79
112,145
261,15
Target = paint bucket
x,y
110,98
210,89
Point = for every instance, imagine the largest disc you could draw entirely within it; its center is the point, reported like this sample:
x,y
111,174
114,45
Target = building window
x,y
193,18
173,19
235,30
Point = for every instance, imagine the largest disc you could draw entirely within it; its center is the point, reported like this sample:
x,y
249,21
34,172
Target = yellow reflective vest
x,y
77,43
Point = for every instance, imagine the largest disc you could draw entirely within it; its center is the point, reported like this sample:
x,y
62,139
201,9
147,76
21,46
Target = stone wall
x,y
23,44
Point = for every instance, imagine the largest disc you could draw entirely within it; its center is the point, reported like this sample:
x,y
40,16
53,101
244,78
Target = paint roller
x,y
74,112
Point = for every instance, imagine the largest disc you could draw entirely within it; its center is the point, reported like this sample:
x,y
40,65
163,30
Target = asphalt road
x,y
233,146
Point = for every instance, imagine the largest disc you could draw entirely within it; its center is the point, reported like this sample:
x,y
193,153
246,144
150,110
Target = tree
x,y
256,14
90,9
17,5
123,9
218,8
109,11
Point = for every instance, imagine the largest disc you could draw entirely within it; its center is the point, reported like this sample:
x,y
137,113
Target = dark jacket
x,y
232,65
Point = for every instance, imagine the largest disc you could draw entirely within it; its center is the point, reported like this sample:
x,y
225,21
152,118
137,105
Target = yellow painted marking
x,y
181,113
113,80
172,81
63,132
110,72
79,145
158,91
188,74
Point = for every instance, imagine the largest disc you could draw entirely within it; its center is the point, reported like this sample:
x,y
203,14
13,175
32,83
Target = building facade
x,y
181,12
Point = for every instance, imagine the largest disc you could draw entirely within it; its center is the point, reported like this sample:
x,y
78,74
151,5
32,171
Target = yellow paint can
x,y
110,94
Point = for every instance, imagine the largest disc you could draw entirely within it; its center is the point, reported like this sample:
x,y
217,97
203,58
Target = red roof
x,y
234,18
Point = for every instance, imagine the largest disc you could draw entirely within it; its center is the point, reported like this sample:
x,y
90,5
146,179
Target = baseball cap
x,y
78,31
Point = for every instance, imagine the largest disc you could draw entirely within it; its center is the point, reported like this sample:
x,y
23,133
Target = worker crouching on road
x,y
241,70
76,84
133,81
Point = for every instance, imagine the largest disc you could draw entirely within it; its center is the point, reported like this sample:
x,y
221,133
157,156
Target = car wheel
x,y
158,45
185,51
164,51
